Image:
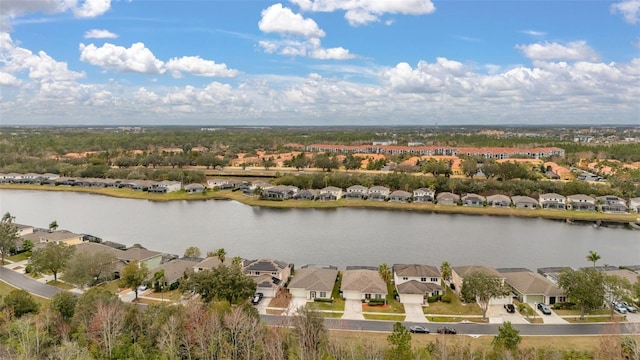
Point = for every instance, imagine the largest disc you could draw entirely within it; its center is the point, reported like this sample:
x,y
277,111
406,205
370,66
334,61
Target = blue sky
x,y
319,62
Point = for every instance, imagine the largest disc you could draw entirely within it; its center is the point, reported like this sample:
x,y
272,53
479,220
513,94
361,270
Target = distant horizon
x,y
319,62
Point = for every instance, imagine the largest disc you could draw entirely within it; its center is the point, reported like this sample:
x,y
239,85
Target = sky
x,y
319,62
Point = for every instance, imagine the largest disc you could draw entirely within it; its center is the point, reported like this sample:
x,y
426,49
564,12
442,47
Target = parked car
x,y
256,298
620,308
510,308
630,308
417,329
544,309
447,330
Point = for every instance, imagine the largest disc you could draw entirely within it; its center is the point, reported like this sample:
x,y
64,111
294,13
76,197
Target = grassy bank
x,y
343,203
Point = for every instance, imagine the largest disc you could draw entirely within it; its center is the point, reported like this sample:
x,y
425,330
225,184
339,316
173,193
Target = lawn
x,y
393,307
453,319
384,317
19,257
172,295
61,285
337,305
111,286
573,312
6,288
592,319
455,307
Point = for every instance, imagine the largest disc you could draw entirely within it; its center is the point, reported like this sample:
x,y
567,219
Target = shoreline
x,y
564,215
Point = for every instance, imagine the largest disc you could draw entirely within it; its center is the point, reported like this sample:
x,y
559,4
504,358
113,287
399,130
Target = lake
x,y
340,237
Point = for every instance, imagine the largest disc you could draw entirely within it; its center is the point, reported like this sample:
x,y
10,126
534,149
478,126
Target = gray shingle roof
x,y
530,283
416,270
269,265
417,287
364,281
318,279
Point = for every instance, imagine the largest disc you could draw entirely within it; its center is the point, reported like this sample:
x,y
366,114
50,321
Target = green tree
x,y
400,343
469,166
482,288
352,162
221,254
27,245
593,257
64,303
87,269
8,235
53,257
133,275
192,252
325,162
20,302
227,283
508,337
585,287
385,273
616,288
53,226
445,270
268,163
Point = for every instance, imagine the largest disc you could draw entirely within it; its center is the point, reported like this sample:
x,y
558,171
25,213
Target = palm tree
x,y
445,270
385,272
221,254
53,226
593,257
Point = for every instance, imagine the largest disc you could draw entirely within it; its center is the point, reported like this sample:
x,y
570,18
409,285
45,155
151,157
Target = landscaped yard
x,y
384,317
574,312
337,305
455,307
592,319
452,319
172,295
392,307
19,257
61,285
111,286
6,288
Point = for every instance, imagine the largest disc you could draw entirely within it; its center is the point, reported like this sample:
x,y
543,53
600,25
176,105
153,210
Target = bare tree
x,y
107,324
310,333
170,337
203,332
243,335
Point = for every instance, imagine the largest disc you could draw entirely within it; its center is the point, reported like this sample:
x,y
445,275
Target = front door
x,y
313,294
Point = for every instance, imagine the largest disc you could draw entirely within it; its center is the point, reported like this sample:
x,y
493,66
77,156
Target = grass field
x,y
6,288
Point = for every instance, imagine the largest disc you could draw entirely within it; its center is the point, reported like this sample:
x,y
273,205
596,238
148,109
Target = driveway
x,y
414,313
353,310
550,319
497,314
24,282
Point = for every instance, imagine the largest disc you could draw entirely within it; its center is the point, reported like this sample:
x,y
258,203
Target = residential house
x,y
307,194
580,202
474,200
59,237
458,274
150,258
400,196
138,185
23,229
313,283
612,204
280,192
330,193
424,195
634,204
270,275
173,271
213,262
552,201
222,184
357,192
165,186
447,199
194,188
532,288
378,193
363,284
499,200
524,202
416,283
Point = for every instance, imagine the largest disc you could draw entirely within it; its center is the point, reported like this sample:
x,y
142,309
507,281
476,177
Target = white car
x,y
620,308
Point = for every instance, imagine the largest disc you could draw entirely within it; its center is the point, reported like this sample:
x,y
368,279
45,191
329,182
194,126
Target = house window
x,y
434,280
405,278
378,296
274,273
256,273
323,294
423,279
367,296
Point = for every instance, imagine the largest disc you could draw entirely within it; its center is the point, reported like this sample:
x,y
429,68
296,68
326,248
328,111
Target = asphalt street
x,y
24,282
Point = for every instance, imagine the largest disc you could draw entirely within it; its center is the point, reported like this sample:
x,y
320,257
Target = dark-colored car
x,y
256,298
447,330
544,309
416,329
510,308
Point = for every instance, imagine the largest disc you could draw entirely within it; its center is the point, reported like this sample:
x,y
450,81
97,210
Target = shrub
x,y
446,298
330,301
432,299
376,302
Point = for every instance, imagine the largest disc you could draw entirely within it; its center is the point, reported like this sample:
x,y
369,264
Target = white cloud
x,y
137,58
41,67
99,34
7,79
361,12
309,48
534,32
630,10
577,50
199,67
281,20
91,8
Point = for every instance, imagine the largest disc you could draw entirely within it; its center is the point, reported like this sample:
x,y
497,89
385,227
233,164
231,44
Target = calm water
x,y
338,237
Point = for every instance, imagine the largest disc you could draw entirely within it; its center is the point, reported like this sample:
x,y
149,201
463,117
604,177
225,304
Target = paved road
x,y
24,282
470,328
